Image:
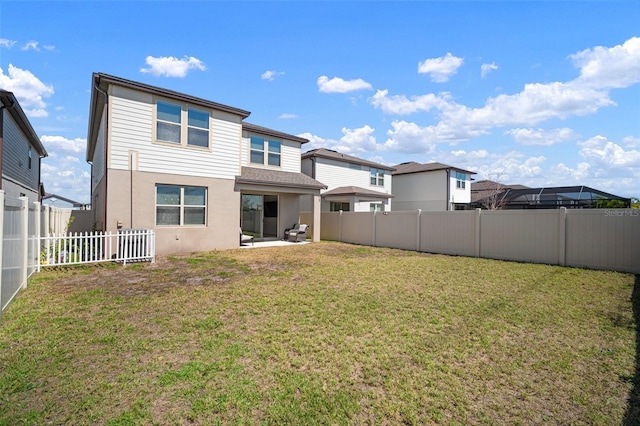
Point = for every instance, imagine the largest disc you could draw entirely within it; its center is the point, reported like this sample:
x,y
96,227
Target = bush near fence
x,y
587,238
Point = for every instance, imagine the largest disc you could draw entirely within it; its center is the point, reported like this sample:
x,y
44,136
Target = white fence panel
x,y
14,245
130,245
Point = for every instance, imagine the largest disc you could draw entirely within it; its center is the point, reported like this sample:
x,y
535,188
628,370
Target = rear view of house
x,y
20,151
431,187
353,184
189,168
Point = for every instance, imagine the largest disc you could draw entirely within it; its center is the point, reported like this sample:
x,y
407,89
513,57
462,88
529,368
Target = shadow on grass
x,y
632,416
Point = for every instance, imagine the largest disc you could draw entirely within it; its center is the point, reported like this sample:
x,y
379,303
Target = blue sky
x,y
539,93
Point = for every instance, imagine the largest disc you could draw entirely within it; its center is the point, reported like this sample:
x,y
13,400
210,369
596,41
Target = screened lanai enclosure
x,y
577,197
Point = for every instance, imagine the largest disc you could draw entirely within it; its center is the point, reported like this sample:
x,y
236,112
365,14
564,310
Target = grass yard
x,y
325,333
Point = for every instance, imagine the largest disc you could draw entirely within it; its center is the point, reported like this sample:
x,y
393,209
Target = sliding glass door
x,y
260,215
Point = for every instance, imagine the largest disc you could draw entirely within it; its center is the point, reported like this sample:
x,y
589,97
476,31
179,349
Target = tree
x,y
495,198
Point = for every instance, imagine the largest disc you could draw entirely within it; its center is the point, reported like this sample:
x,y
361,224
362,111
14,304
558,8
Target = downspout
x,y
448,189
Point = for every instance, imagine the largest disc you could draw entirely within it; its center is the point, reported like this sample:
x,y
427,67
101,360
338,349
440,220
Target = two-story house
x,y
353,184
20,151
189,168
431,187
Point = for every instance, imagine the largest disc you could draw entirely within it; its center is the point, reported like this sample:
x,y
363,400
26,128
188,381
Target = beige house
x,y
353,184
189,168
431,187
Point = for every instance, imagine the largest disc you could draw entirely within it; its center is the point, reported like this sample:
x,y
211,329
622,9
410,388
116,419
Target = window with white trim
x,y
375,207
261,148
461,180
377,176
176,123
181,205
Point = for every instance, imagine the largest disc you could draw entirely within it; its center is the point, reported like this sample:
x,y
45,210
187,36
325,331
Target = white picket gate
x,y
129,245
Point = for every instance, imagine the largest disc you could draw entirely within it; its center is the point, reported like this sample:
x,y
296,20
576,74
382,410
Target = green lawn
x,y
325,333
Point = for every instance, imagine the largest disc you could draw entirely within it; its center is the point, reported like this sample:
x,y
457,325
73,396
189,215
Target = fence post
x,y
36,239
340,227
1,241
25,239
562,236
478,211
419,229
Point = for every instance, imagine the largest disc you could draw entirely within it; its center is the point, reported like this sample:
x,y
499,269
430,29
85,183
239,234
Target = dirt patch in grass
x,y
323,333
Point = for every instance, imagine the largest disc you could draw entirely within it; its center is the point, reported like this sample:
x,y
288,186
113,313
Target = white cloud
x,y
287,116
28,89
541,137
440,69
609,156
59,143
7,43
631,141
67,176
601,70
338,85
170,66
271,75
49,47
353,141
614,67
401,105
31,45
487,68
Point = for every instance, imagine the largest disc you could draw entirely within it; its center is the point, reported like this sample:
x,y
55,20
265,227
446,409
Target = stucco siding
x,y
15,156
223,211
426,191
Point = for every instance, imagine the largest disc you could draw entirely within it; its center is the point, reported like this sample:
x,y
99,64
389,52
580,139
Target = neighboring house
x,y
55,200
190,169
20,151
353,184
487,194
430,187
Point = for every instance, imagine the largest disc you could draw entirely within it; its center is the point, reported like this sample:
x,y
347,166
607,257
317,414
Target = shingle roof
x,y
356,190
413,167
270,132
334,155
255,176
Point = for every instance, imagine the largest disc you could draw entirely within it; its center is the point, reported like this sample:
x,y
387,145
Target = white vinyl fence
x,y
587,238
129,245
33,236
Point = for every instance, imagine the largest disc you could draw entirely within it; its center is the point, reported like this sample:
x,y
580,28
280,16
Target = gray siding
x,y
15,156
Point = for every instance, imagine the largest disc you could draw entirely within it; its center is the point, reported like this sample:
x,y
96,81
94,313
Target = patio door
x,y
259,216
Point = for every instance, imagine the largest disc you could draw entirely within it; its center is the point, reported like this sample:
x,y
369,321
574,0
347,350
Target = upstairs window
x,y
377,176
198,128
169,117
260,146
170,125
461,180
29,158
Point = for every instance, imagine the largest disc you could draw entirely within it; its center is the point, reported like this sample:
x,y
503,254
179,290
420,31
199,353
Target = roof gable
x,y
413,167
335,155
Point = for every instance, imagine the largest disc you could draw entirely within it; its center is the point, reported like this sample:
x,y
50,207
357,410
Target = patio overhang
x,y
276,181
347,192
